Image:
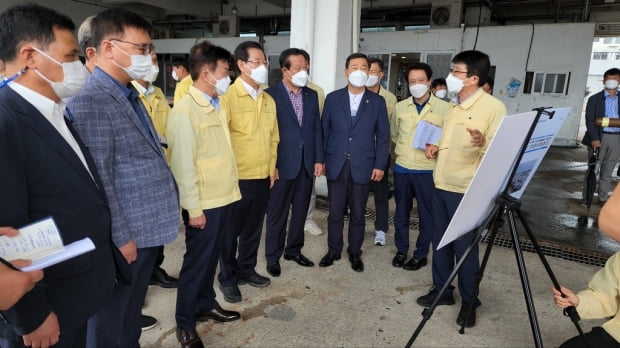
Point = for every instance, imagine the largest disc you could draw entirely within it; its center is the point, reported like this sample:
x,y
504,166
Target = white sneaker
x,y
380,238
313,228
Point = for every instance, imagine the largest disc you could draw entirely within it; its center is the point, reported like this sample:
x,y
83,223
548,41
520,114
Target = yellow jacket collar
x,y
200,99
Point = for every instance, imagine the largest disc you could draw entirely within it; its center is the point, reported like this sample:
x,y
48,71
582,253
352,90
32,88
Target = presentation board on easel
x,y
496,167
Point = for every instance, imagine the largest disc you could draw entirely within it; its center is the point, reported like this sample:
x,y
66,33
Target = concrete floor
x,y
337,307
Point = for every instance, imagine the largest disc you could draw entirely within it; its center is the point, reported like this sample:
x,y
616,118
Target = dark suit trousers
x,y
285,194
381,190
444,207
69,338
160,257
195,292
406,188
340,192
118,323
240,248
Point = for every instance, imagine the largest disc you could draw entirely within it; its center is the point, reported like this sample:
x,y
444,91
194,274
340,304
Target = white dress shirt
x,y
354,102
53,112
253,92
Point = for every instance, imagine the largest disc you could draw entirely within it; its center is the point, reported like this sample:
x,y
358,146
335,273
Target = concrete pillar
x,y
329,31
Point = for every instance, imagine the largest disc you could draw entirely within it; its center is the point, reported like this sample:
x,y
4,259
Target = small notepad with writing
x,y
41,242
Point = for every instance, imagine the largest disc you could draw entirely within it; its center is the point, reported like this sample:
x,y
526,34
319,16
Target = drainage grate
x,y
554,250
505,240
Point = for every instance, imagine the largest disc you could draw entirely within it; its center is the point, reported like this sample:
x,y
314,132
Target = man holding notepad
x,y
413,172
47,171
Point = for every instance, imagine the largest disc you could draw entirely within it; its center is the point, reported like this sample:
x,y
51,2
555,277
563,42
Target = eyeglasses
x,y
144,48
258,62
457,72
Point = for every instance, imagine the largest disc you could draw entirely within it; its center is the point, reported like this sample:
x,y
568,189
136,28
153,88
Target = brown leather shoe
x,y
189,338
218,314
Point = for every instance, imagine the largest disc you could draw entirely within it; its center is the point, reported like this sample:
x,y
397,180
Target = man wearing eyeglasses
x,y
251,116
141,191
467,132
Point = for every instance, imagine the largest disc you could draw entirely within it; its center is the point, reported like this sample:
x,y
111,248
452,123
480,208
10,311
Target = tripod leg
x,y
571,312
428,312
527,292
496,224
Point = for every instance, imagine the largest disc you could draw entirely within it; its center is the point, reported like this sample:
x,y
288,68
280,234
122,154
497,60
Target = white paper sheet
x,y
72,250
36,240
426,133
41,242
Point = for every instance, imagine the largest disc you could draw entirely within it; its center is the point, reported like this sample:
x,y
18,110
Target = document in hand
x,y
41,243
426,133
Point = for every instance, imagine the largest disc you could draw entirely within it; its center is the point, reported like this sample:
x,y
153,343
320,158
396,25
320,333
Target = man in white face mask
x,y
604,139
251,115
47,171
180,73
300,159
356,134
413,172
154,101
440,89
203,163
466,134
380,189
141,190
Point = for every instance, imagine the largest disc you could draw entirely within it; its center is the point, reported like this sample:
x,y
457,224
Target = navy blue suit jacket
x,y
595,108
42,176
300,146
366,142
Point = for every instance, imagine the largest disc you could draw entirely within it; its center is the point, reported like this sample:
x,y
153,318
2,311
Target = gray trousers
x,y
609,154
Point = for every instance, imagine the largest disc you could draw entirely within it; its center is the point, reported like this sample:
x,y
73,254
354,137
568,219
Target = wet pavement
x,y
552,204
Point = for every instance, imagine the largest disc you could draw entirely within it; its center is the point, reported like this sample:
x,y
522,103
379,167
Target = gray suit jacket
x,y
142,193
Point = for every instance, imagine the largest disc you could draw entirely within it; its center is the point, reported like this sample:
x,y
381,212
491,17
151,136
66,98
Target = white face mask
x,y
372,80
358,78
221,85
441,93
175,76
140,64
259,74
300,79
454,84
611,84
418,90
152,75
75,75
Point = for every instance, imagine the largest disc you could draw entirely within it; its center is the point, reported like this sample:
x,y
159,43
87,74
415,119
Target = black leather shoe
x,y
189,338
161,278
426,300
273,268
231,293
147,322
218,314
399,259
471,320
328,260
256,280
415,264
356,262
300,259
